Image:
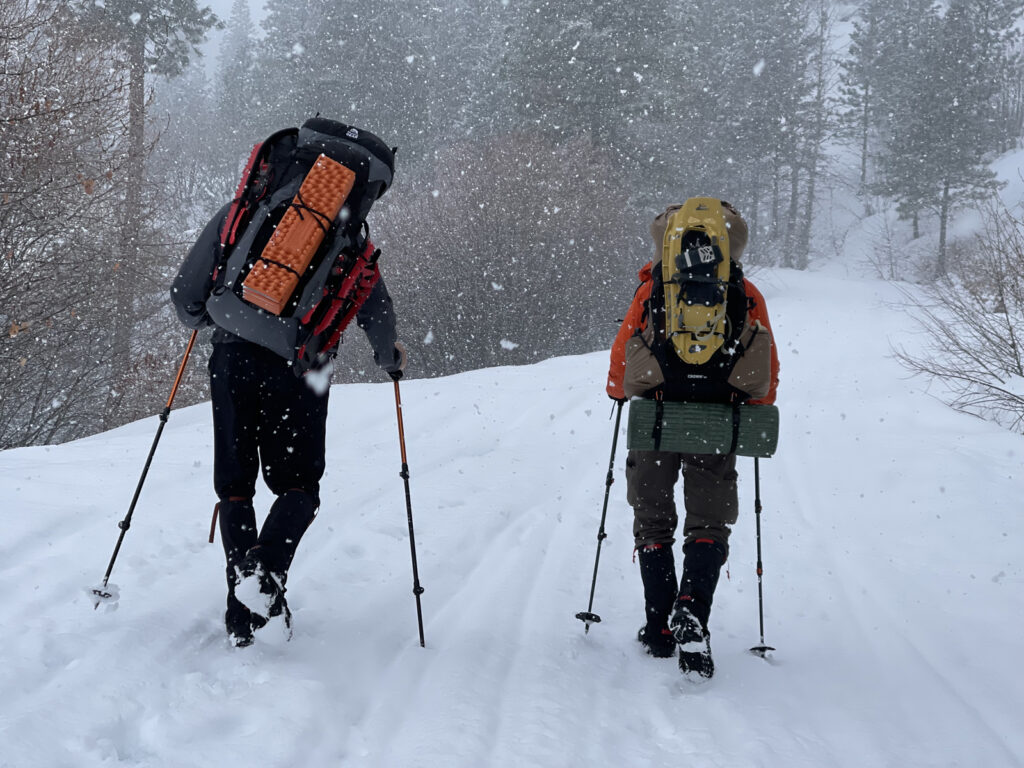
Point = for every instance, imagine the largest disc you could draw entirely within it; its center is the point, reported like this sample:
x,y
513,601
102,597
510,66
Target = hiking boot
x,y
694,643
658,573
240,623
260,590
657,642
702,563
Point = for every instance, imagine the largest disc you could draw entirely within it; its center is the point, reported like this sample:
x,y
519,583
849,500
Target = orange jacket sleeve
x,y
760,312
632,321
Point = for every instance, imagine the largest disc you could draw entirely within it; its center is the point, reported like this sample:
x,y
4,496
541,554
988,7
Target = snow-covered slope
x,y
894,588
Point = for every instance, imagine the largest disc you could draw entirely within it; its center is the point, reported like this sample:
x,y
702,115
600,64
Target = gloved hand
x,y
395,371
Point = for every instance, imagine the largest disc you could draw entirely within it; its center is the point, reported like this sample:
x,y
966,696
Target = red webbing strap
x,y
369,277
349,297
230,228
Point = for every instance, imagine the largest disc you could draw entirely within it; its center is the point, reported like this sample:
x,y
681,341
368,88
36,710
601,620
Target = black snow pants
x,y
264,416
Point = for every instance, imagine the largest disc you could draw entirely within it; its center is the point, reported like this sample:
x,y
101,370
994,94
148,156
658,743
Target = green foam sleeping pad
x,y
747,430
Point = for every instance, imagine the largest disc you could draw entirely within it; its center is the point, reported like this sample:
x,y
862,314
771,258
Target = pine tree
x,y
937,153
592,70
361,63
282,72
863,71
818,122
155,38
737,119
235,94
470,93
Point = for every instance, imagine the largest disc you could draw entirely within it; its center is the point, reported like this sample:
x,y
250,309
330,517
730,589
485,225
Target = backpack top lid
x,y
322,133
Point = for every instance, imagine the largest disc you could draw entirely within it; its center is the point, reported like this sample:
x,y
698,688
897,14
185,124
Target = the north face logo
x,y
352,133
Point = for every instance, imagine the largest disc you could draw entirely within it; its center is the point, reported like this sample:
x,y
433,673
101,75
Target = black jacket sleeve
x,y
377,319
191,288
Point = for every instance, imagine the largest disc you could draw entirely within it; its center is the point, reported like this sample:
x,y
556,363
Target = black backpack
x,y
343,269
709,381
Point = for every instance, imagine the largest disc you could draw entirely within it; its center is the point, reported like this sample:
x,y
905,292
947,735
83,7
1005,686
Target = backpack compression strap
x,y
245,201
239,205
361,276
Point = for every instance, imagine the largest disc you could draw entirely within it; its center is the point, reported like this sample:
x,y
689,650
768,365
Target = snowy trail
x,y
893,583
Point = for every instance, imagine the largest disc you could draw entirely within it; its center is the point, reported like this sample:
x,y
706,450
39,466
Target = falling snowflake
x,y
509,345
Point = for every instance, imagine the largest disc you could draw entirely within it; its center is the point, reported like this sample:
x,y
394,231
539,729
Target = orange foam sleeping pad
x,y
271,281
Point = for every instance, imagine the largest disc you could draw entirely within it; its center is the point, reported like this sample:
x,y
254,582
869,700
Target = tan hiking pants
x,y
709,496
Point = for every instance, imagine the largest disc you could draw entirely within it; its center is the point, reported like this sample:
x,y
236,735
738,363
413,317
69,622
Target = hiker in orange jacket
x,y
709,480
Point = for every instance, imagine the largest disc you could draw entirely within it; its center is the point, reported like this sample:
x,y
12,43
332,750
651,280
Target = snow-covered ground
x,y
894,584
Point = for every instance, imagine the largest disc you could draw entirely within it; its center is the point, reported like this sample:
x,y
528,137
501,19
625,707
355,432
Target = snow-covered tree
x,y
64,143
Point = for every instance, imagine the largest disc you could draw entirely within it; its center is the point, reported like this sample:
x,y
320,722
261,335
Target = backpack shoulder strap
x,y
253,184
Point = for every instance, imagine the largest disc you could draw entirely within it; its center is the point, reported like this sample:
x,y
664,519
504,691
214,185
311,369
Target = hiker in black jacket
x,y
264,416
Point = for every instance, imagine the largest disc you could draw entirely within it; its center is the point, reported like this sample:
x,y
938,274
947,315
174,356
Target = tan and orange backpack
x,y
696,343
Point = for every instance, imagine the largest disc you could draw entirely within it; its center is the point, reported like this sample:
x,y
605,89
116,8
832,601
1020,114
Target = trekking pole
x,y
416,588
762,649
588,617
103,593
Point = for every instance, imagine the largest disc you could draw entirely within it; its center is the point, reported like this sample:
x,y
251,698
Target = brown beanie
x,y
738,232
658,229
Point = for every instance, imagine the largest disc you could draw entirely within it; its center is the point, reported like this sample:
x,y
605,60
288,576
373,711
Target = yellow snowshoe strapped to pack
x,y
695,267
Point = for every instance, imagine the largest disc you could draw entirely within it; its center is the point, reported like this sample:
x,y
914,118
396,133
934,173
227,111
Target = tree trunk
x,y
775,208
755,203
940,265
803,250
865,128
127,262
792,257
814,142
